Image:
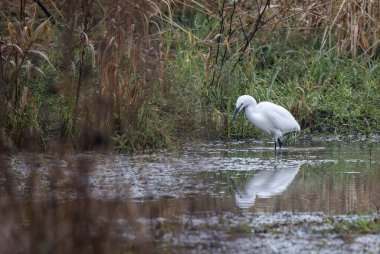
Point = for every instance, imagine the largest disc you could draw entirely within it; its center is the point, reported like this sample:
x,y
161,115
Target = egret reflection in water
x,y
266,184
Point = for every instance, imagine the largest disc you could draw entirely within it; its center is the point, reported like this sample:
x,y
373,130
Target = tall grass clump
x,y
84,81
23,51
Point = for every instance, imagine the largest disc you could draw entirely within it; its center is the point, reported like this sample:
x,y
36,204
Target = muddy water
x,y
218,196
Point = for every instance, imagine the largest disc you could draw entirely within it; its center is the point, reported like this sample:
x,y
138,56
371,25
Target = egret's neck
x,y
250,107
249,111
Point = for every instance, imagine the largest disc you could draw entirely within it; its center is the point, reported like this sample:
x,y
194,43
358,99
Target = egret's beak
x,y
237,110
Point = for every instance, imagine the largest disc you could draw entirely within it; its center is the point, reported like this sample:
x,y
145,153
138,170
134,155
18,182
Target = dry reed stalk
x,y
128,62
24,41
356,24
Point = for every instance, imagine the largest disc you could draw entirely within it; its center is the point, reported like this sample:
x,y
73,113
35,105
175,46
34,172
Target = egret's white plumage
x,y
270,118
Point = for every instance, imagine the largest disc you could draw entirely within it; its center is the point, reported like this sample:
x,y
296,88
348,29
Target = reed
x,y
351,25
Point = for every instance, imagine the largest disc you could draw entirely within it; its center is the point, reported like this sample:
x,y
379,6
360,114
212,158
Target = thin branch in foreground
x,y
255,29
45,10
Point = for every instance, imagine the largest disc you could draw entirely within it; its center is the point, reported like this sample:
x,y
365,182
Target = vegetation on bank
x,y
155,73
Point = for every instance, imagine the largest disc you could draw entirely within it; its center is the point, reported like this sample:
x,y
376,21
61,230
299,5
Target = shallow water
x,y
202,191
330,177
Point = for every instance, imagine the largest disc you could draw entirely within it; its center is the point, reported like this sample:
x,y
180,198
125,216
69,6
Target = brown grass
x,y
355,24
111,65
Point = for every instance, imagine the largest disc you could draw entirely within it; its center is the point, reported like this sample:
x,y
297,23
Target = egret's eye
x,y
241,104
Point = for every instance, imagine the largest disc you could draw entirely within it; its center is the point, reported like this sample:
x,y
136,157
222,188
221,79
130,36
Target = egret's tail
x,y
298,128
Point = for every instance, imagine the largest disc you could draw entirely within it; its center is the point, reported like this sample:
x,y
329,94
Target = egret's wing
x,y
277,117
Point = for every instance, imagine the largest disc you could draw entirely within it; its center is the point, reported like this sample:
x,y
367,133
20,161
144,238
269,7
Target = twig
x,y
229,35
46,11
22,10
242,29
255,29
86,6
221,29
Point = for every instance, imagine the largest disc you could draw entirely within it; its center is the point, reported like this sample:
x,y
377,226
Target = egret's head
x,y
242,102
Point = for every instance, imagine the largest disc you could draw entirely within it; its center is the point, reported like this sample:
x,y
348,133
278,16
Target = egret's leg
x,y
234,186
275,146
279,142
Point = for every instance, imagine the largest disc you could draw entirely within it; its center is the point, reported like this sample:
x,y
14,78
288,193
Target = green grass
x,y
360,226
348,230
243,228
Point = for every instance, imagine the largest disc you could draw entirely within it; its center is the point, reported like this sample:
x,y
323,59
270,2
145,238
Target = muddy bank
x,y
267,233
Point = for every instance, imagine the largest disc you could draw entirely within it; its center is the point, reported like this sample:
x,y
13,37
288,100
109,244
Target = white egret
x,y
268,117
